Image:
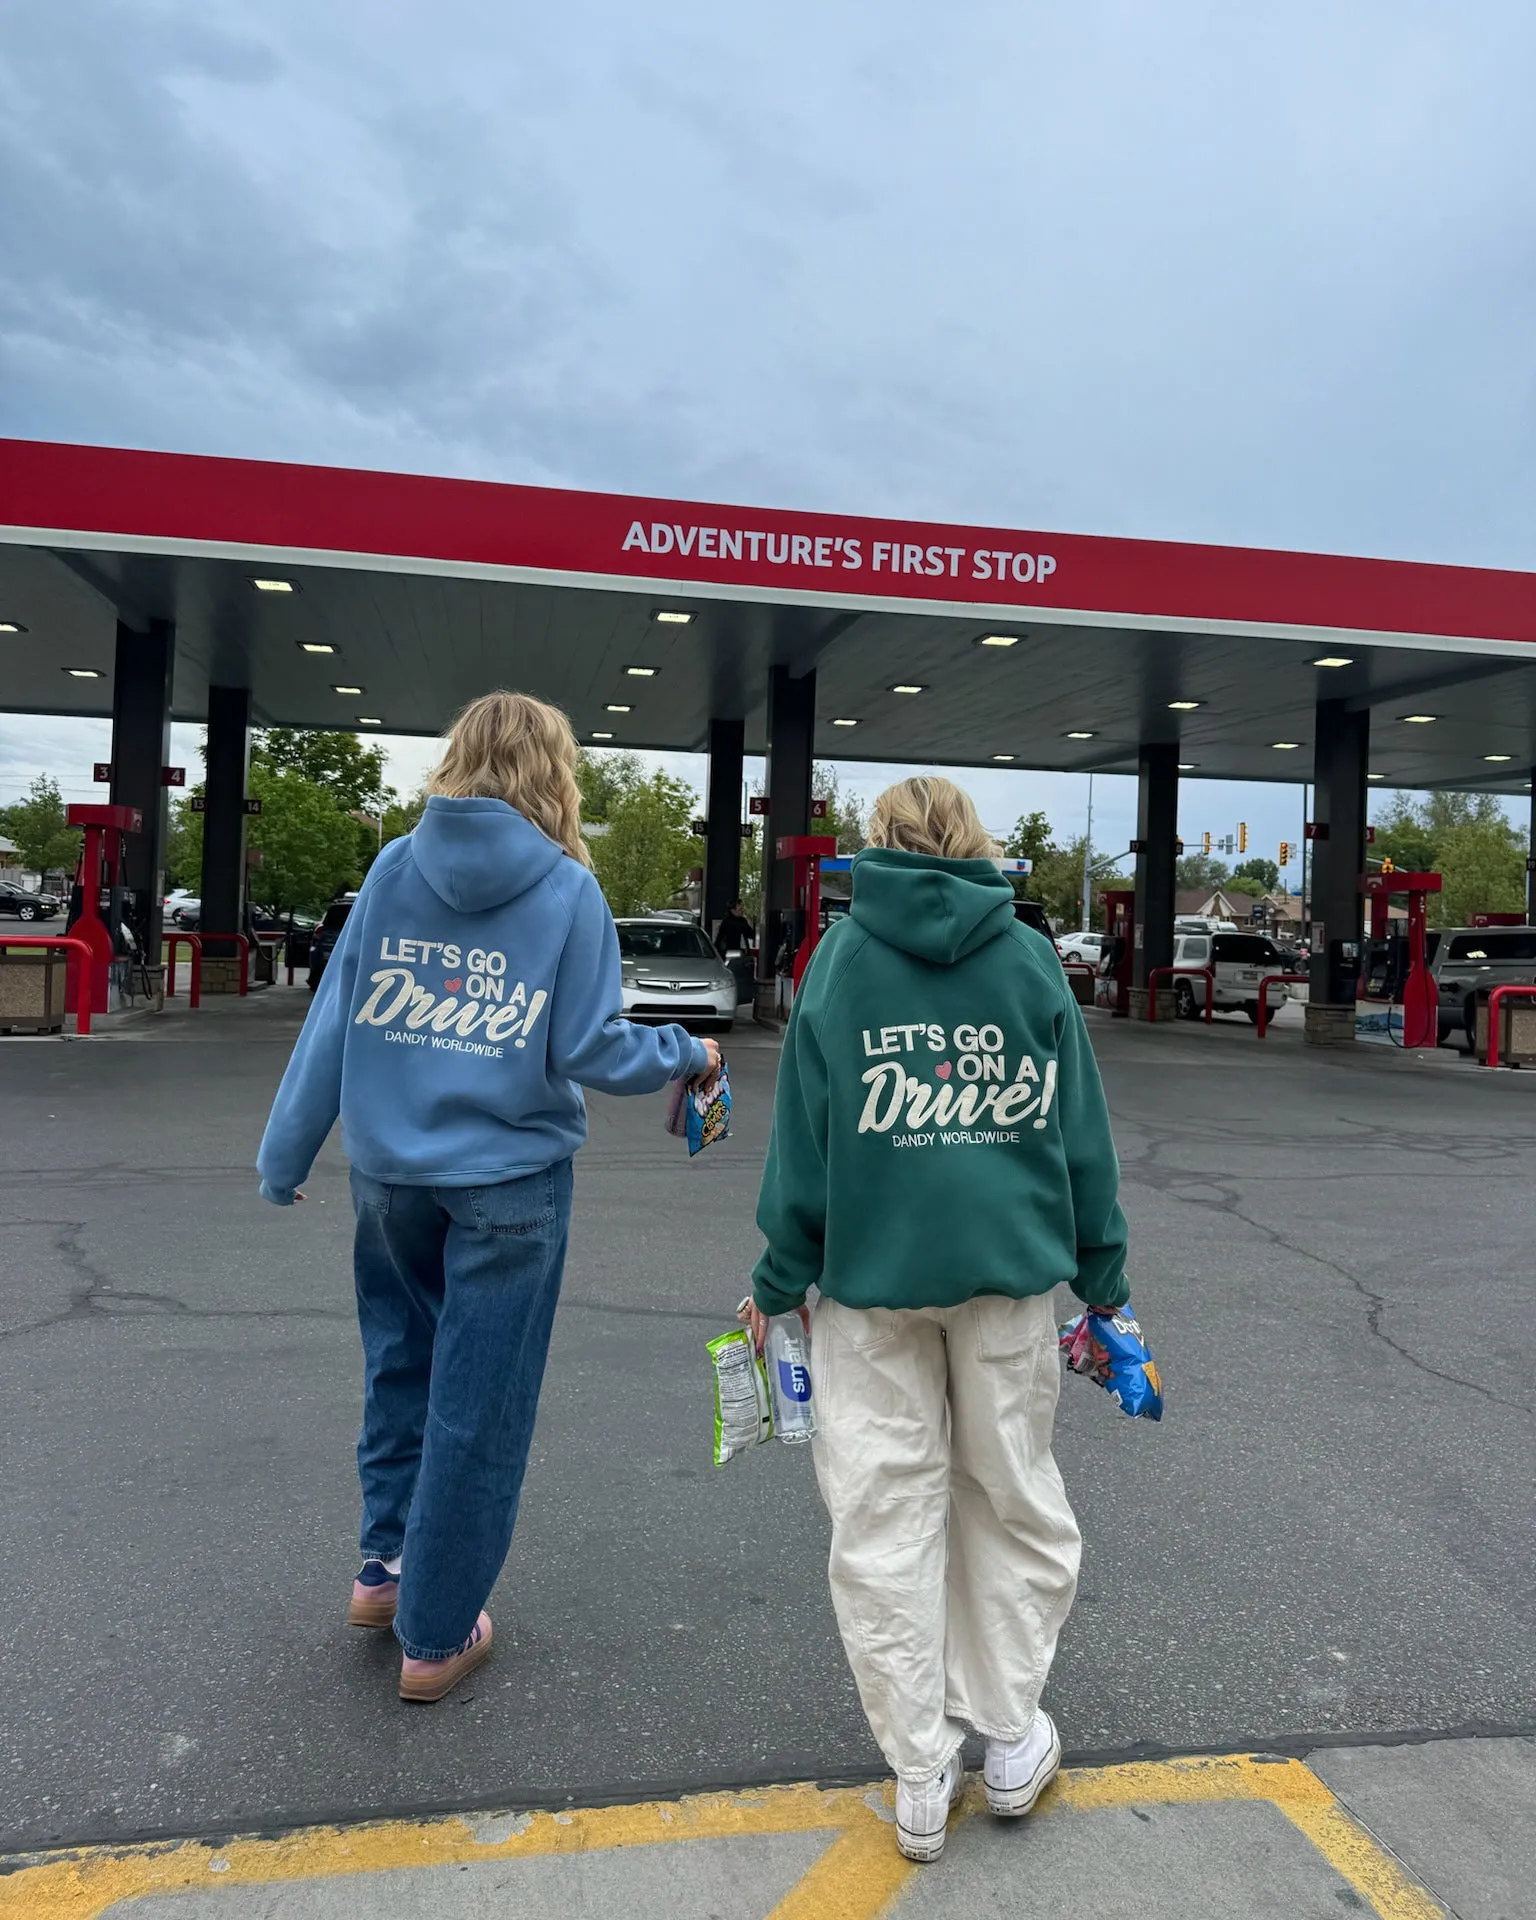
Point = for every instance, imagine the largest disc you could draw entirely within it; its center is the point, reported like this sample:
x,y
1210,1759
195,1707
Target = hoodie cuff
x,y
697,1061
278,1196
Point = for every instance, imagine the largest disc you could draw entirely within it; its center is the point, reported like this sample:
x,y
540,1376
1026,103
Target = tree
x,y
1264,871
352,773
845,812
36,824
1030,839
606,777
1200,873
184,845
1469,840
643,858
308,845
1246,883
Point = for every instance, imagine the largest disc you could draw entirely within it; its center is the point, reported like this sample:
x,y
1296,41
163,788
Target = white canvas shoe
x,y
1018,1771
922,1812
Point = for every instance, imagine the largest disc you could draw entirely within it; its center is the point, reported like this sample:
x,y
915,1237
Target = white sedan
x,y
671,972
1087,947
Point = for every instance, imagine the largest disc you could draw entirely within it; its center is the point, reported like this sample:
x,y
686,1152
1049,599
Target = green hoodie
x,y
939,1129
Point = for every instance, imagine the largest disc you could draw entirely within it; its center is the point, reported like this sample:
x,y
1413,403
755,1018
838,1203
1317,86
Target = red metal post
x,y
1210,997
1496,1001
77,950
1269,980
194,941
245,956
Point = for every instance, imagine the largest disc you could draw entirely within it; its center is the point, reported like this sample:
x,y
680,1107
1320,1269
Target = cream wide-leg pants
x,y
954,1550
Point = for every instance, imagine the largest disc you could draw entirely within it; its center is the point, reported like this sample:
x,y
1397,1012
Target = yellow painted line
x,y
856,1878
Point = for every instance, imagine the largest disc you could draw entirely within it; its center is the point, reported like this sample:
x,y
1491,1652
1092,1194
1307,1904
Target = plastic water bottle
x,y
787,1351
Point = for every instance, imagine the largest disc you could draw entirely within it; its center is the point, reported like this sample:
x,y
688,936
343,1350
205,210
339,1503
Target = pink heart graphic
x,y
452,986
944,1069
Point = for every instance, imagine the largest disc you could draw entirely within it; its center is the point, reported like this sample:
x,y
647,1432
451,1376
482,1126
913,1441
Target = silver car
x,y
1467,960
671,972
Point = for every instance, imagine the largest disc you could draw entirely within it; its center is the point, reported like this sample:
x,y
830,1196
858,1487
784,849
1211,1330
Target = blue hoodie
x,y
475,982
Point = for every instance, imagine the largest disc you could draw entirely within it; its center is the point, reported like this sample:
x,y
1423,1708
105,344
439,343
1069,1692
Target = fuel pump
x,y
100,901
1396,967
1119,951
805,852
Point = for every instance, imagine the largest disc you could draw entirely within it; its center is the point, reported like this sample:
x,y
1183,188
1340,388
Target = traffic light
x,y
1207,847
1285,853
1242,836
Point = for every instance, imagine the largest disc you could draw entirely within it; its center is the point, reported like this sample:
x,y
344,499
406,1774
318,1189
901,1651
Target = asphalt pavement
x,y
1326,1543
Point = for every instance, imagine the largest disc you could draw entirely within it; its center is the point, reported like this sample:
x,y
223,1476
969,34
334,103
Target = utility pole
x,y
1306,808
1088,860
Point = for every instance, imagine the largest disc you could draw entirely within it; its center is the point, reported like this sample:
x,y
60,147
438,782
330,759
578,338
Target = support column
x,y
228,754
791,723
1341,751
141,744
1157,825
722,843
1530,860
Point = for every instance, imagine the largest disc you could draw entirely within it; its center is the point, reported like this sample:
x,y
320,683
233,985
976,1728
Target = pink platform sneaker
x,y
428,1680
374,1593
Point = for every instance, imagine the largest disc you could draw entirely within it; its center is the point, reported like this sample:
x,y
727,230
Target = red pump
x,y
100,868
806,851
1119,951
1421,997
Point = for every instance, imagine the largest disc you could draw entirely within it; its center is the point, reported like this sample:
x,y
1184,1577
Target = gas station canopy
x,y
358,600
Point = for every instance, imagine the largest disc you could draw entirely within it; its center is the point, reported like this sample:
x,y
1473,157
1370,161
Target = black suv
x,y
325,936
25,904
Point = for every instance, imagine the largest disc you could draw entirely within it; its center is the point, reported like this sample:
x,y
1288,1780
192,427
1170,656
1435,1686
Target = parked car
x,y
1087,947
671,972
1469,960
1240,961
323,939
178,902
27,903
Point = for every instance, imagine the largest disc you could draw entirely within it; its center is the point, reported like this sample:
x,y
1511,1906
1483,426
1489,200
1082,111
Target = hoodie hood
x,y
479,854
939,910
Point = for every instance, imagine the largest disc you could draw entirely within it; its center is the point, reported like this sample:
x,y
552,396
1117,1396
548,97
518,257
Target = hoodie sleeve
x,y
1092,1167
309,1098
792,1205
590,1041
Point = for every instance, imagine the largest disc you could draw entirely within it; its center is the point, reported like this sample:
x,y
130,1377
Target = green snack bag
x,y
742,1414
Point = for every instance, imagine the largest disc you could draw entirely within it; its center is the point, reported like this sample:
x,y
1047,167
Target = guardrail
x,y
1270,980
1210,996
84,962
1496,1001
170,941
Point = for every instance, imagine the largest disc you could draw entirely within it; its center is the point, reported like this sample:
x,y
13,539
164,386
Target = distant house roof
x,y
7,846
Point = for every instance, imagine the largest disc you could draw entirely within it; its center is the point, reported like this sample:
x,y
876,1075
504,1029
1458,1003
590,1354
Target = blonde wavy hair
x,y
509,746
928,814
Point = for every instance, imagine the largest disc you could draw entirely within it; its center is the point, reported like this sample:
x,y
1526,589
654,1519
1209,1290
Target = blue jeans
x,y
456,1293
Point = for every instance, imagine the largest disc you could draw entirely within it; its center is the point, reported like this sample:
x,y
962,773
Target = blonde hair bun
x,y
928,814
509,746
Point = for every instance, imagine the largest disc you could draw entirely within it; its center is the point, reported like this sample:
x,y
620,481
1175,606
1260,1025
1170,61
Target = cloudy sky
x,y
1193,271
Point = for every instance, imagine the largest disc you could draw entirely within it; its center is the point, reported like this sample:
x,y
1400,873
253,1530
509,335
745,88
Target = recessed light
x,y
83,673
1183,706
641,673
1188,766
349,690
1498,756
615,706
670,618
845,723
1003,756
602,736
909,689
11,626
1375,776
1079,736
369,720
1334,660
1285,746
998,640
274,586
1418,719
316,646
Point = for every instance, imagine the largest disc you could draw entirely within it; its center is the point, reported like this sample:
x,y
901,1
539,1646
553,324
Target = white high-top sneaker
x,y
922,1812
1018,1771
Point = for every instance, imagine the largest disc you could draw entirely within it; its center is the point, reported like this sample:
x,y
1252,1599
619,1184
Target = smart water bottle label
x,y
794,1380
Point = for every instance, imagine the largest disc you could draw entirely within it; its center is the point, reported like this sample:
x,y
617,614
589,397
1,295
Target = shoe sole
x,y
925,1848
1011,1803
372,1613
426,1688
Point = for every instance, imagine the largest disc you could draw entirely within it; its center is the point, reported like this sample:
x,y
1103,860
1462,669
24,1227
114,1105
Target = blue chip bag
x,y
1109,1349
698,1117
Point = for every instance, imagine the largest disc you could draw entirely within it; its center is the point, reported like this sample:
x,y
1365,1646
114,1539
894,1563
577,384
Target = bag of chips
x,y
1109,1348
698,1116
743,1413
